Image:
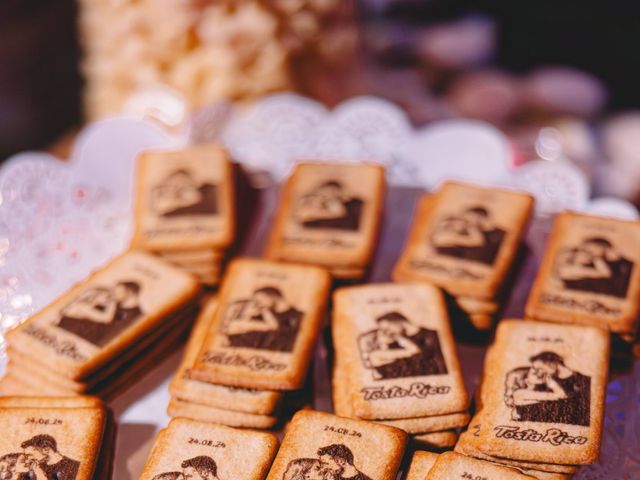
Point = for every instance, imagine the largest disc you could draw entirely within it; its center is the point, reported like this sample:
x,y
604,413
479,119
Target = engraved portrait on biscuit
x,y
264,321
40,459
333,462
548,391
329,206
179,194
398,348
196,468
594,266
469,235
100,313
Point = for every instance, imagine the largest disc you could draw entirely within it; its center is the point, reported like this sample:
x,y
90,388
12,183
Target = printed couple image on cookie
x,y
190,450
54,439
321,446
111,323
185,208
264,329
541,402
100,313
465,239
329,215
398,348
548,391
589,274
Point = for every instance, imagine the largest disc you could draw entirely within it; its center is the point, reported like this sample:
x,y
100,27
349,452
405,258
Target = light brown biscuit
x,y
481,321
329,214
542,394
183,387
263,334
589,274
80,401
416,373
463,447
436,440
416,425
103,315
454,466
31,367
421,463
210,451
184,199
465,239
53,441
349,447
347,273
203,413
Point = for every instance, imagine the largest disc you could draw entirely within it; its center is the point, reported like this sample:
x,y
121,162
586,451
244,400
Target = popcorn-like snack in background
x,y
206,50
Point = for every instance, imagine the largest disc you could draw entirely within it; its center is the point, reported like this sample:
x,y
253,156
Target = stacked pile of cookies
x,y
185,208
189,449
105,332
329,215
465,239
251,345
540,402
396,363
57,438
452,466
589,275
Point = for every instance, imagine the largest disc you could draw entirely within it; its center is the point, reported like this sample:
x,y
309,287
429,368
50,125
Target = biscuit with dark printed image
x,y
184,199
465,239
398,351
195,450
421,463
185,388
589,274
454,466
102,316
329,215
321,445
540,400
60,443
263,333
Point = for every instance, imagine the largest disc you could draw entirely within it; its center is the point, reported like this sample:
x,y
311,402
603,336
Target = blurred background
x,y
559,78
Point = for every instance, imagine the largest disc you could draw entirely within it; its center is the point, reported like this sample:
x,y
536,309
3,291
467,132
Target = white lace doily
x,y
59,220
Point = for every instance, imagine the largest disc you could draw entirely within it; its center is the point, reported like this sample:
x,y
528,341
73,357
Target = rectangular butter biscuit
x,y
104,314
542,394
263,333
345,448
421,463
329,215
184,199
62,443
402,359
191,449
465,239
589,274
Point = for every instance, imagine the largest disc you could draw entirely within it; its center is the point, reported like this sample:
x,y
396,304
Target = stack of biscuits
x,y
184,208
329,215
395,361
589,275
105,332
190,449
540,403
466,239
251,345
452,466
58,438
